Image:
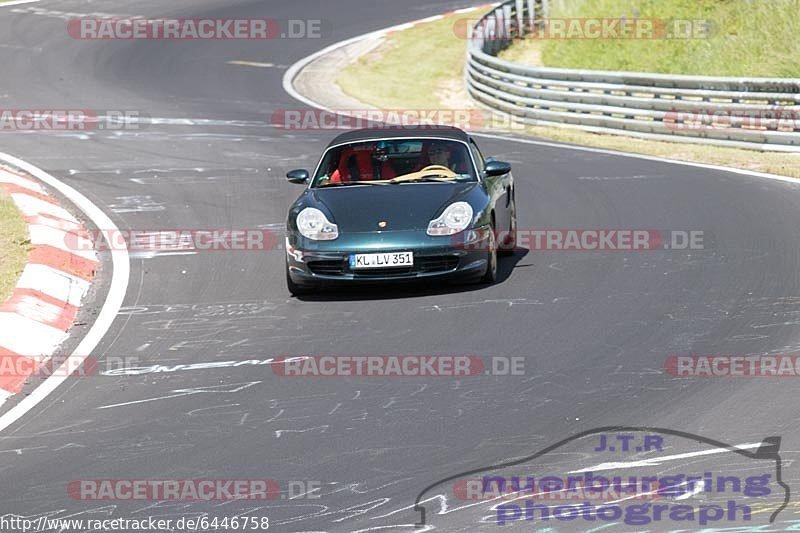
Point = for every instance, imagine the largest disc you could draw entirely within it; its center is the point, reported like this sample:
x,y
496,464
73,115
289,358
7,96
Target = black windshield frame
x,y
402,156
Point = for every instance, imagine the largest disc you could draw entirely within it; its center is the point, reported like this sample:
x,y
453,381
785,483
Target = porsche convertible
x,y
394,205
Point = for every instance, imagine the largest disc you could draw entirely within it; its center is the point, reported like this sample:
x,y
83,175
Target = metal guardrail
x,y
752,113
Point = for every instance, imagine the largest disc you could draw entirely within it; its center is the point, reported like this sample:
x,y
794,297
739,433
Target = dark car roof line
x,y
440,132
335,144
381,138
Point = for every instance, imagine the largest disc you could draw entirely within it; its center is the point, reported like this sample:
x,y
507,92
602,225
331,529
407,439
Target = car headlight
x,y
312,224
457,217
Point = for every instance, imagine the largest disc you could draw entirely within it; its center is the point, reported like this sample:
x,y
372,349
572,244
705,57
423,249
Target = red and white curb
x,y
115,295
37,317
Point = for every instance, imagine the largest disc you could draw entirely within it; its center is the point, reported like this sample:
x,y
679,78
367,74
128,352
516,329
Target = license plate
x,y
383,260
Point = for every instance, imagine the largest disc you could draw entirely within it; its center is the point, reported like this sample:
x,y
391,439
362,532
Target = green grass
x,y
422,68
747,38
14,245
408,70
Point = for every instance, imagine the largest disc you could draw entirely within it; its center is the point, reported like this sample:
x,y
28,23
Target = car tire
x,y
490,276
510,242
294,288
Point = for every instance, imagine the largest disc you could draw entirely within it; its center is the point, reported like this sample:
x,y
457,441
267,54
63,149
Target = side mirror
x,y
497,168
297,176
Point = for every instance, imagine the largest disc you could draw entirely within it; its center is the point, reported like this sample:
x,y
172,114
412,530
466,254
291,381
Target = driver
x,y
447,154
439,154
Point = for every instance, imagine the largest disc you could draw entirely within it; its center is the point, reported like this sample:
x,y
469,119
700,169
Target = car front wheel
x,y
509,243
491,263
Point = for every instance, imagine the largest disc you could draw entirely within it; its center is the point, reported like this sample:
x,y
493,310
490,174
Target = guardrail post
x,y
508,22
531,15
499,31
475,36
491,35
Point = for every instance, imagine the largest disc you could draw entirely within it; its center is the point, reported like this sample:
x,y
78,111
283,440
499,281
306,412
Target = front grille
x,y
393,271
440,263
329,267
436,263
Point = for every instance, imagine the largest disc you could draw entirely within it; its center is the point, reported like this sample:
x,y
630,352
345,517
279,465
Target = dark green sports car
x,y
395,204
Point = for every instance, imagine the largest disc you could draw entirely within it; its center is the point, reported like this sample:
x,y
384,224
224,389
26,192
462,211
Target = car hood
x,y
408,206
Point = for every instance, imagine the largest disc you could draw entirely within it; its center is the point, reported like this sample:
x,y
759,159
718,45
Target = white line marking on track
x,y
697,489
178,393
116,294
252,64
405,26
4,395
17,2
395,527
154,253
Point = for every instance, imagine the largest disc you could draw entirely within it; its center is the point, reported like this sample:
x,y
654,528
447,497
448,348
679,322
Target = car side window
x,y
477,155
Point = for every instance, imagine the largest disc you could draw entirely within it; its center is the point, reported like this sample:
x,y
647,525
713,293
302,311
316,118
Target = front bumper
x,y
440,259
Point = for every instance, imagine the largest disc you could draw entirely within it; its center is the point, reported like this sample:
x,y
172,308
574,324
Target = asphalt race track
x,y
594,328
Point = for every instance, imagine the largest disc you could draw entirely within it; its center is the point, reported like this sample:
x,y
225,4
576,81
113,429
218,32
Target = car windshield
x,y
395,161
